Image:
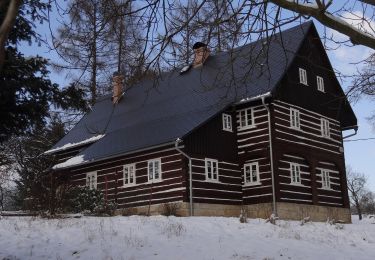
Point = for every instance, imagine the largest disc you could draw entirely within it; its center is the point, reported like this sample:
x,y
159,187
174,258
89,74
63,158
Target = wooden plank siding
x,y
309,149
226,190
172,186
253,146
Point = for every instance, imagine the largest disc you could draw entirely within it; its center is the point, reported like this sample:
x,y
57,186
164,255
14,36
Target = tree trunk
x,y
7,26
359,210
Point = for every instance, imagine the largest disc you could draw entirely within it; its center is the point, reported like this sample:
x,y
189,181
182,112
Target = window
x,y
251,173
246,118
320,83
295,173
154,170
294,118
326,183
227,122
129,174
302,76
325,127
91,180
211,166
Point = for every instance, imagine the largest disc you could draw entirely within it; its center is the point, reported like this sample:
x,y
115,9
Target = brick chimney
x,y
201,53
117,83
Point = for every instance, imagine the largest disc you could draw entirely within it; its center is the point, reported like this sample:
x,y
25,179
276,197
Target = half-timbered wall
x,y
171,187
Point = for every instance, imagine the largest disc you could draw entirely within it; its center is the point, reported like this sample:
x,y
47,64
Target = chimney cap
x,y
198,45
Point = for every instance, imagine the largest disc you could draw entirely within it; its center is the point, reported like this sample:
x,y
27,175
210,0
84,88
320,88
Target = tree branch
x,y
322,15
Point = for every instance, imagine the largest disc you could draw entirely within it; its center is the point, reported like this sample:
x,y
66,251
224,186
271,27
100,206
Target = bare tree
x,y
357,189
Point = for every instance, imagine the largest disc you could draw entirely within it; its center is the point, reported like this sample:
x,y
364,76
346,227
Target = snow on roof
x,y
244,100
72,145
72,161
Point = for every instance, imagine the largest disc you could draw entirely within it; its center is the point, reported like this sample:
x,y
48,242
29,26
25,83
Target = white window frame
x,y
210,165
326,180
151,171
245,124
91,180
295,174
129,175
295,118
251,166
227,122
325,127
320,83
303,76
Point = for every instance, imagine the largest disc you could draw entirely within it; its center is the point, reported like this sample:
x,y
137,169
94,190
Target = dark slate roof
x,y
158,111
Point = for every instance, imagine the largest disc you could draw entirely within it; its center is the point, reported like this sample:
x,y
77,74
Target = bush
x,y
170,209
83,199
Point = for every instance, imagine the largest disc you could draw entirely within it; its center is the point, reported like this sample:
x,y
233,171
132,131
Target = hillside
x,y
160,237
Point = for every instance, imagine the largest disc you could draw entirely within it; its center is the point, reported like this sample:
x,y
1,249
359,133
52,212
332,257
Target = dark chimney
x,y
201,53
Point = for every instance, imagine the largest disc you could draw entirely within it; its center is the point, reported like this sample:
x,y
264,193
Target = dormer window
x,y
227,122
325,127
294,118
246,118
302,76
320,83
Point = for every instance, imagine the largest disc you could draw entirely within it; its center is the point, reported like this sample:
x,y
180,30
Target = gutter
x,y
355,128
274,209
178,141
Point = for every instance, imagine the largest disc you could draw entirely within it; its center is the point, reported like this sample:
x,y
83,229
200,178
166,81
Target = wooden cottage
x,y
259,127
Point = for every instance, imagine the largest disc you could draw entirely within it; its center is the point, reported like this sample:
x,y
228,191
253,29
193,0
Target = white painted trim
x,y
302,143
337,123
302,76
255,196
296,199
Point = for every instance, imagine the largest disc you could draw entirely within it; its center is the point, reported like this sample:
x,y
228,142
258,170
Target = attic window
x,y
320,83
302,76
227,122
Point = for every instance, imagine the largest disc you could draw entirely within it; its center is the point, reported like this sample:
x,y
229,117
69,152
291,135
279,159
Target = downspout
x,y
274,209
178,140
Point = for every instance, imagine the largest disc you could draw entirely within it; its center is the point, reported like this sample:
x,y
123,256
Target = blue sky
x,y
359,155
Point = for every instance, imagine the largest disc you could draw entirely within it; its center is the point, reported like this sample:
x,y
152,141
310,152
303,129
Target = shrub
x,y
170,209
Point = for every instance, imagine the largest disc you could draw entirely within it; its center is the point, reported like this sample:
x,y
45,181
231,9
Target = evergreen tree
x,y
26,92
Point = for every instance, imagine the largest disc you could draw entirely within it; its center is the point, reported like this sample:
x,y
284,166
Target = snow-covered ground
x,y
160,237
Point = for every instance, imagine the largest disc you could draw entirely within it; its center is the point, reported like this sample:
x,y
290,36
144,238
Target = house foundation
x,y
286,211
